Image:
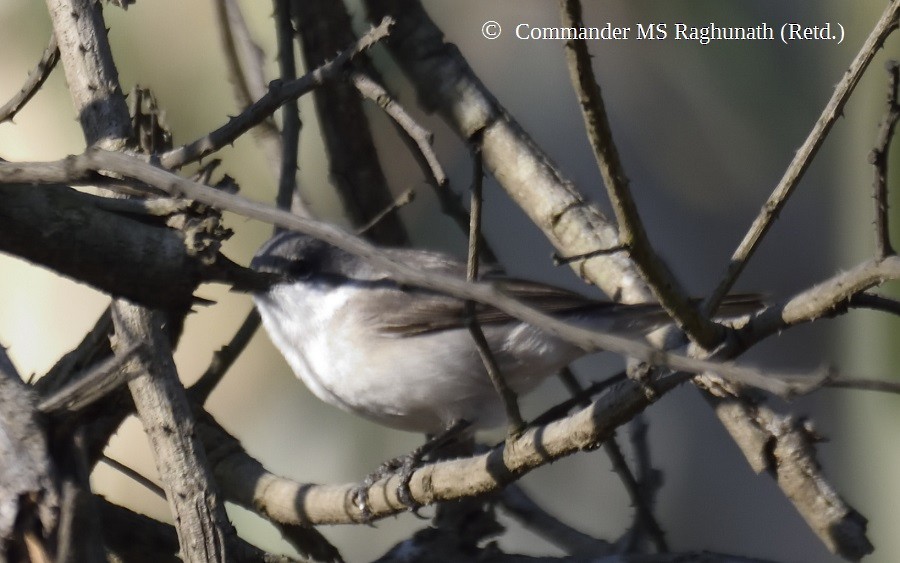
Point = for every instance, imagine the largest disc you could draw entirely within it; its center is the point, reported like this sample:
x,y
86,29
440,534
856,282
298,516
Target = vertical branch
x,y
324,27
632,235
644,514
290,112
204,532
245,66
203,527
879,158
90,72
507,395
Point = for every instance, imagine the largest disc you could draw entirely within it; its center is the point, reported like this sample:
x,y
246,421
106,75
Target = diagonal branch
x,y
94,160
33,82
278,94
632,236
804,155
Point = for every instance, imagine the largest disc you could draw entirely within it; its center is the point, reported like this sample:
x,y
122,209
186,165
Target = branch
x,y
324,26
204,532
879,158
803,157
33,82
246,482
413,133
278,94
245,65
632,236
822,300
78,168
71,233
91,74
290,111
446,83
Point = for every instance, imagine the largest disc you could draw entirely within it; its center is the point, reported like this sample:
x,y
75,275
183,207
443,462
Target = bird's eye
x,y
300,268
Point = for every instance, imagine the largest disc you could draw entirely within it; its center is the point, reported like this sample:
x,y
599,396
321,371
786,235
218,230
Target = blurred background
x,y
705,133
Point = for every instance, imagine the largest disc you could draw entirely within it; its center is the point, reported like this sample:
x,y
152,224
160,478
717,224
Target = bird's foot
x,y
404,467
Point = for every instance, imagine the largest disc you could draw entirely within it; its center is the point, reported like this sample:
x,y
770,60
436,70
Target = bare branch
x,y
659,277
498,380
87,164
33,82
245,65
804,155
248,483
86,389
278,93
822,300
71,233
290,111
224,358
204,532
91,74
879,158
418,135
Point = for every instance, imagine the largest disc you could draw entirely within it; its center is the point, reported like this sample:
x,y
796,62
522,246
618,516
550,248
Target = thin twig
x,y
803,157
632,235
403,199
507,395
85,390
33,82
611,446
223,359
278,93
879,159
875,302
245,60
420,137
134,475
863,384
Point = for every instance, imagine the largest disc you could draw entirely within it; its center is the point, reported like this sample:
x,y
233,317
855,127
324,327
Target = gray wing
x,y
407,311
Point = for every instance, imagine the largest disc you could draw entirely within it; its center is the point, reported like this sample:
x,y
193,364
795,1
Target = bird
x,y
403,356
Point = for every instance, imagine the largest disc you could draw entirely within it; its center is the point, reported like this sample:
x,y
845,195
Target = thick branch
x,y
247,482
204,532
72,234
446,84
